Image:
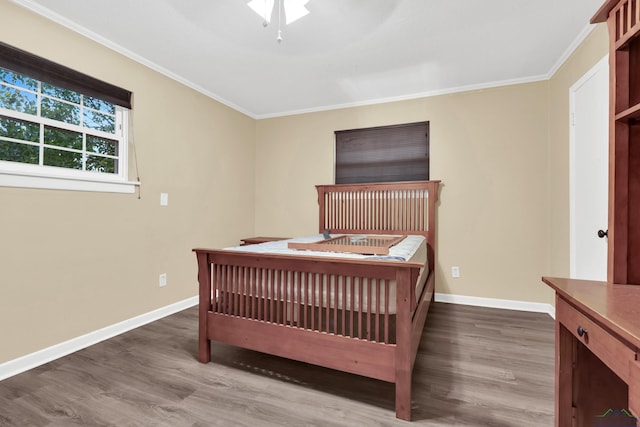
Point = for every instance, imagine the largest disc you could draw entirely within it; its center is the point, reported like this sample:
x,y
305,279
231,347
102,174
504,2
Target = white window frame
x,y
23,175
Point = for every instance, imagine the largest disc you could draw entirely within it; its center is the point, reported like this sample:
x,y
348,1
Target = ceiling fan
x,y
293,10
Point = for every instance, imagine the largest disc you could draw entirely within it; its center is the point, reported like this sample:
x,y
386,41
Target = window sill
x,y
27,180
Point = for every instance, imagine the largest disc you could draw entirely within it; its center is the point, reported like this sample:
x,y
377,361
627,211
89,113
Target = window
x,y
56,134
383,154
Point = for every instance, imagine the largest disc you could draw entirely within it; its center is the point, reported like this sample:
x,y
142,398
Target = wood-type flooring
x,y
475,367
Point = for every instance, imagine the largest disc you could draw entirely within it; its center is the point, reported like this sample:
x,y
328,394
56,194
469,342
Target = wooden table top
x,y
615,306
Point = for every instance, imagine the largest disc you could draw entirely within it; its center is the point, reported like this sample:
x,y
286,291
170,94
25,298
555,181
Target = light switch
x,y
164,199
455,271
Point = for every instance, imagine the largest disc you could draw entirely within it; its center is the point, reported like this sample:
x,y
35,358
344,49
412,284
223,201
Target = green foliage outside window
x,y
73,147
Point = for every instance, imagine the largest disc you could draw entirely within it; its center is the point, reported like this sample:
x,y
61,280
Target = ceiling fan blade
x,y
294,9
264,8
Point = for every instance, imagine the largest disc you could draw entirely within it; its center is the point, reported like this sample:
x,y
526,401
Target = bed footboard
x,y
341,298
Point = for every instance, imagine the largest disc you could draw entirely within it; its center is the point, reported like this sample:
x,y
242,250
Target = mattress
x,y
400,252
361,291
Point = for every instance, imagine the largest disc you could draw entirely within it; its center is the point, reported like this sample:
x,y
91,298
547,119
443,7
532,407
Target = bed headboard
x,y
380,208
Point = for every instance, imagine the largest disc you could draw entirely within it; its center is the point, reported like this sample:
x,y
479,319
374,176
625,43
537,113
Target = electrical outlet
x,y
455,271
163,280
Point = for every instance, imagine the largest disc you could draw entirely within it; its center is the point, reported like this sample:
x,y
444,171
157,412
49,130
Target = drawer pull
x,y
582,331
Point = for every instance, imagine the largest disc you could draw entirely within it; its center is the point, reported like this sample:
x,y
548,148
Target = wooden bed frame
x,y
271,303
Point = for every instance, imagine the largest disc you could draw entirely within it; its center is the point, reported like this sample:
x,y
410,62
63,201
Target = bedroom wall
x,y
489,147
84,261
592,50
502,154
74,262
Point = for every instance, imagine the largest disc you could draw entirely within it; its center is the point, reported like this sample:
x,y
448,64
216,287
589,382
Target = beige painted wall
x,y
74,262
593,49
488,147
502,154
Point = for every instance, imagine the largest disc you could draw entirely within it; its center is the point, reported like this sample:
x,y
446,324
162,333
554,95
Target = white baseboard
x,y
30,361
535,307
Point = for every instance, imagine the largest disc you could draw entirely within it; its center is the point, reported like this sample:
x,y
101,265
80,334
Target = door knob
x,y
602,233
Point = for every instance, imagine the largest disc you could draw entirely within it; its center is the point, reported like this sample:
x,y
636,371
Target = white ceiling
x,y
344,53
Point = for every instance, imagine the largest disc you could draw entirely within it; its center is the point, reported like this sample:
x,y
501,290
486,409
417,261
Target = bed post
x,y
321,207
432,188
403,344
204,281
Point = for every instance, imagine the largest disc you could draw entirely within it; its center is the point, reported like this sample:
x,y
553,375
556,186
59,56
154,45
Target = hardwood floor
x,y
475,367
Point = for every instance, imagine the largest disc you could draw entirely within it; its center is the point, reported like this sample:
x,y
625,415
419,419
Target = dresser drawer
x,y
614,353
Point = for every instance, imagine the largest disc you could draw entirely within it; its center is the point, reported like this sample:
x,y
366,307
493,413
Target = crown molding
x,y
571,49
418,95
61,20
48,14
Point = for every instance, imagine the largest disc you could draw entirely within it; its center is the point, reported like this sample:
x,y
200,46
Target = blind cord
x,y
135,153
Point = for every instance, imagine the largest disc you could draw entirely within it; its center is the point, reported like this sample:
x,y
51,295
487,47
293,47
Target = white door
x,y
589,157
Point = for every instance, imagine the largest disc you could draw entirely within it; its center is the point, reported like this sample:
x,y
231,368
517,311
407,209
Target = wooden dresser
x,y
597,342
598,323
